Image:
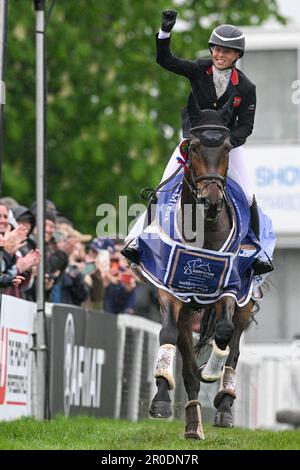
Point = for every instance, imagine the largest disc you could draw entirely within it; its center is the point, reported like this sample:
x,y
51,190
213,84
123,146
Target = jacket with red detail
x,y
203,95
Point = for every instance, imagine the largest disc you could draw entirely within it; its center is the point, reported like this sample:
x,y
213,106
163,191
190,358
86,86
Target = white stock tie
x,y
221,79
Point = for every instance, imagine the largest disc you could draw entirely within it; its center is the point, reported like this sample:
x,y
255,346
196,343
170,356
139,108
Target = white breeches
x,y
238,170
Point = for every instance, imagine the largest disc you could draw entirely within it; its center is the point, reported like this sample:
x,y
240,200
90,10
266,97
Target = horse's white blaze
x,y
165,364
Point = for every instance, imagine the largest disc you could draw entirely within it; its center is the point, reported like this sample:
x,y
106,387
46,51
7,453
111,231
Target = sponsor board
x,y
83,362
16,328
275,171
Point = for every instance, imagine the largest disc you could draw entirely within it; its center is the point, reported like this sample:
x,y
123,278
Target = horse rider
x,y
213,82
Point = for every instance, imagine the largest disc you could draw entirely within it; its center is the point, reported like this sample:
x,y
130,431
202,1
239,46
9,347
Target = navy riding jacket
x,y
203,95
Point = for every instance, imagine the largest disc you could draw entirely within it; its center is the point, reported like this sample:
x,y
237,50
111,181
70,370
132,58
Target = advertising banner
x,y
83,362
16,328
276,175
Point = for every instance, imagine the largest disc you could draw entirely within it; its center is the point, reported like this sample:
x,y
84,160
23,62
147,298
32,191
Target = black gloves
x,y
168,20
6,281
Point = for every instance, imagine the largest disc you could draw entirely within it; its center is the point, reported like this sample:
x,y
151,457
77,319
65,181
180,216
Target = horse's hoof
x,y
224,394
199,375
223,419
161,409
194,435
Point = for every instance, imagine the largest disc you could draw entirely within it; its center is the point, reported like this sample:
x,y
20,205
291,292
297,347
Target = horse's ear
x,y
227,110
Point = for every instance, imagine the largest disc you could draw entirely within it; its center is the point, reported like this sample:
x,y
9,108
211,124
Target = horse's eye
x,y
193,147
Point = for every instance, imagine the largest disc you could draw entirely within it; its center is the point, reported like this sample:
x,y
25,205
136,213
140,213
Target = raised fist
x,y
168,20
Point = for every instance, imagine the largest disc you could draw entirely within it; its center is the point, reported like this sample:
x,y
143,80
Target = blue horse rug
x,y
196,274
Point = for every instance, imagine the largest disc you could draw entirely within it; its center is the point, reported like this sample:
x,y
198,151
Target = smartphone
x,y
104,260
114,266
126,278
89,268
114,262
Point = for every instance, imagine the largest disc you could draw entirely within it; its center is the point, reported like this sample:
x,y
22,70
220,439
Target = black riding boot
x,y
131,251
259,266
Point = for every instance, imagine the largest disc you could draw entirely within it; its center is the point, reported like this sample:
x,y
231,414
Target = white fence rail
x,y
268,380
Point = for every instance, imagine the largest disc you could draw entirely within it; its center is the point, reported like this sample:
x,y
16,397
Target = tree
x,y
113,114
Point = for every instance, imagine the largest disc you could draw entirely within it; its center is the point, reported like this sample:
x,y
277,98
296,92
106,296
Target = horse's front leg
x,y
161,406
193,429
225,397
214,368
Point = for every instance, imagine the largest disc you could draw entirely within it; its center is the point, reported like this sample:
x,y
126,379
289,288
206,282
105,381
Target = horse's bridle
x,y
196,193
219,180
150,194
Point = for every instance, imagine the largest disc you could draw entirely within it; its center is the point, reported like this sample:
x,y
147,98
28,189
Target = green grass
x,y
99,434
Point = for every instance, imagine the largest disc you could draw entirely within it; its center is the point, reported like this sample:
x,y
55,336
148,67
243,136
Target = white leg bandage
x,y
215,365
165,364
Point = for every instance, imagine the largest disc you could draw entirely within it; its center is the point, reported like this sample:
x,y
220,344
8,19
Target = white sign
x,y
16,328
276,175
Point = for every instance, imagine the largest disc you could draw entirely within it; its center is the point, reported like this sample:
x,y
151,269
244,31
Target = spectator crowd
x,y
79,269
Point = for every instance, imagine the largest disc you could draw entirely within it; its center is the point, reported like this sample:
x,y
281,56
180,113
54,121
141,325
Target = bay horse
x,y
223,322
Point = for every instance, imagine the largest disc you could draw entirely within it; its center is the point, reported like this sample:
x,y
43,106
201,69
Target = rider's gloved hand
x,y
168,20
5,281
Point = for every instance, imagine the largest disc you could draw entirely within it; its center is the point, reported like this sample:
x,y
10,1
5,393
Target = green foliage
x,y
109,103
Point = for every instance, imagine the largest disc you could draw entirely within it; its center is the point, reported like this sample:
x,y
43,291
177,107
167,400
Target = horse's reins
x,y
220,181
152,192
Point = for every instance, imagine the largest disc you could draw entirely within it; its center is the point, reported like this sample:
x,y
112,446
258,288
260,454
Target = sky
x,y
290,8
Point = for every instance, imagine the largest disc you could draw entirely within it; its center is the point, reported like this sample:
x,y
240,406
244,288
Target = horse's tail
x,y
207,328
265,286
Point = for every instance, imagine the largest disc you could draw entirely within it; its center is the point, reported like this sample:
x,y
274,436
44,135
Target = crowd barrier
x,y
268,381
16,341
102,365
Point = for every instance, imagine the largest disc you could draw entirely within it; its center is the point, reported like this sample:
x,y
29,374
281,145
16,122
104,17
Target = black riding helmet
x,y
227,35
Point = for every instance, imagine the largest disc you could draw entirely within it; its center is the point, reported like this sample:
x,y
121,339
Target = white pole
x,y
3,22
3,36
40,198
